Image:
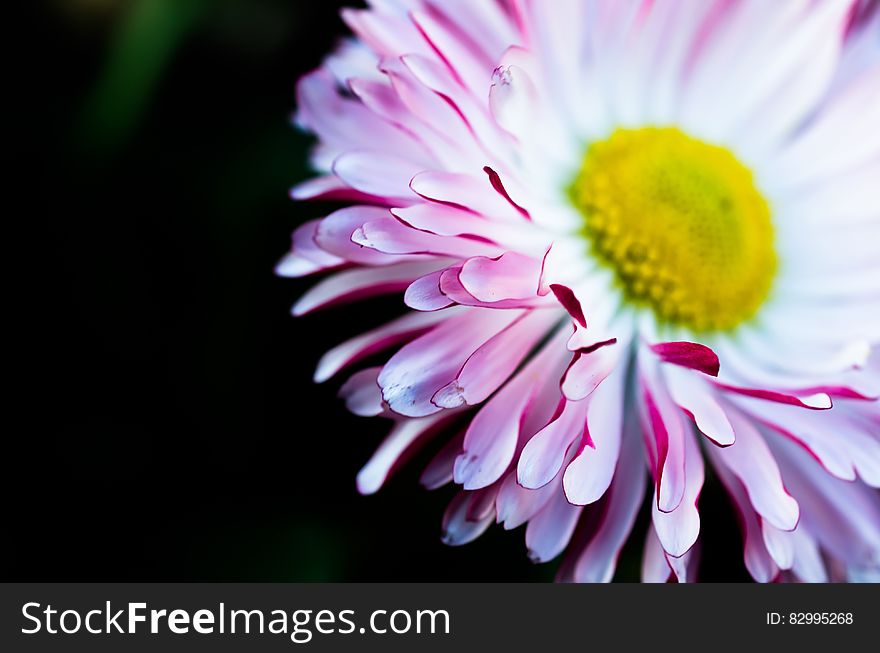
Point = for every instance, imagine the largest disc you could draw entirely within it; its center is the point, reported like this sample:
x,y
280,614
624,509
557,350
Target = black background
x,y
162,420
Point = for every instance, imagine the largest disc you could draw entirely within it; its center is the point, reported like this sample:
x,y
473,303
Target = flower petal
x,y
549,532
750,460
698,399
678,529
588,476
688,354
414,374
361,393
492,364
458,526
359,284
493,436
597,562
389,454
400,330
542,457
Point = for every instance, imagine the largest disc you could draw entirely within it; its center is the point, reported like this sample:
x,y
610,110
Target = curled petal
x,y
666,429
412,377
589,474
542,457
493,363
698,400
493,436
570,302
588,370
678,529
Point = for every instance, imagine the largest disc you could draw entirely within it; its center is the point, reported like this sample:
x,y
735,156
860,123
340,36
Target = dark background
x,y
162,422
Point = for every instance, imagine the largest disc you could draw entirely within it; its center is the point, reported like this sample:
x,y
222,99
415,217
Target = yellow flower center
x,y
681,225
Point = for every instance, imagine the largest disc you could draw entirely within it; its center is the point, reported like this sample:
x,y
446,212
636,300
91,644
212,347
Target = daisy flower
x,y
638,243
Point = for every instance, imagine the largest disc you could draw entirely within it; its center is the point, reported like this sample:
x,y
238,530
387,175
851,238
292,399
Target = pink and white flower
x,y
636,237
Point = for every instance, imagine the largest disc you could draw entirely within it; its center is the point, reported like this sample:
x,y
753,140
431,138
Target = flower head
x,y
635,238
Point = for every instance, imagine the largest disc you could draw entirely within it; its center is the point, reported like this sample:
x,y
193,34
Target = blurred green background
x,y
171,429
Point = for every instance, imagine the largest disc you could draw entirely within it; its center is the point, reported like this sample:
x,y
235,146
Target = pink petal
x,y
779,544
424,294
445,220
597,562
510,276
329,188
360,283
590,338
798,425
493,363
451,286
588,370
570,303
843,516
679,529
588,476
392,236
470,109
439,471
305,256
334,233
361,393
516,504
498,185
698,400
492,438
655,565
377,173
414,374
542,457
758,560
679,566
439,124
808,564
513,99
549,532
750,460
463,61
458,528
814,401
389,454
665,426
688,354
400,330
464,191
344,124
383,31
